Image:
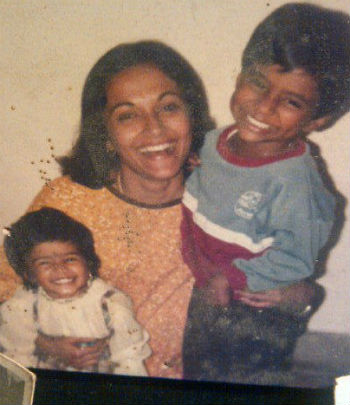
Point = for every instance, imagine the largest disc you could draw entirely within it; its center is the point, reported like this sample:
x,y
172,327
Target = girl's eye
x,y
71,259
43,264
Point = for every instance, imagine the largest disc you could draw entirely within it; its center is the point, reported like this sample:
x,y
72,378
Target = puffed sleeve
x,y
128,343
17,328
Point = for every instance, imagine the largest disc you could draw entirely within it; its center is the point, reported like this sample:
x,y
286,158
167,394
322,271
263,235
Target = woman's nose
x,y
153,124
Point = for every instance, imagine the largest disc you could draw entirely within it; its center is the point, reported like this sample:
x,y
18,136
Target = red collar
x,y
227,154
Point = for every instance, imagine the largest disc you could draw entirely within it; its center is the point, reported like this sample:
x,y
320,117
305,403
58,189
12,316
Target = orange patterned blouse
x,y
140,253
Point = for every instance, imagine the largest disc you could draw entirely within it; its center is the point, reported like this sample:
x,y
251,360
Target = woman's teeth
x,y
158,148
257,123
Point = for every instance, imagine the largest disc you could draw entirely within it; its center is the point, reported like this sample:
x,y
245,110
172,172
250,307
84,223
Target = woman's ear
x,y
317,124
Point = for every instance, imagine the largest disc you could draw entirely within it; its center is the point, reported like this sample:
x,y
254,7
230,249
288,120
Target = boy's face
x,y
272,108
58,268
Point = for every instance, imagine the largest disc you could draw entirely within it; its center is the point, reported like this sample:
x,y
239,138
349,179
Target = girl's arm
x,y
17,328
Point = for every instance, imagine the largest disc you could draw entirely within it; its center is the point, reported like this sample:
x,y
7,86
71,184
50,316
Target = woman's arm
x,y
128,345
70,351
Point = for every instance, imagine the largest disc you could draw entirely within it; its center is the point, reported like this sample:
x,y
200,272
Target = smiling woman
x,y
144,110
149,128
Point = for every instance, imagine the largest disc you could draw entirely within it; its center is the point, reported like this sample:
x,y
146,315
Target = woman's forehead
x,y
139,81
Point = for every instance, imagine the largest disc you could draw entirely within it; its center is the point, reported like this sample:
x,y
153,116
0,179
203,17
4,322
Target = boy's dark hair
x,y
90,163
301,35
47,225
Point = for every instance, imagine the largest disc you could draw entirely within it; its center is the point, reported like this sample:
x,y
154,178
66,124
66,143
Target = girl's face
x,y
58,268
148,123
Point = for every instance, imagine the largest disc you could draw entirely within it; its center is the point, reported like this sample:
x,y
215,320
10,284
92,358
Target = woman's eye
x,y
171,107
125,116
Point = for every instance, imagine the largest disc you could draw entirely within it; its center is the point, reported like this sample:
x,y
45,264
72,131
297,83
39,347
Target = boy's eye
x,y
256,81
294,103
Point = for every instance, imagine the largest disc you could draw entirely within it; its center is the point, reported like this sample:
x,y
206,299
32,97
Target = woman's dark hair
x,y
90,163
47,225
301,35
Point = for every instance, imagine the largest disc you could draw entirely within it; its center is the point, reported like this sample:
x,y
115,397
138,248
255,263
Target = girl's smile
x,y
59,268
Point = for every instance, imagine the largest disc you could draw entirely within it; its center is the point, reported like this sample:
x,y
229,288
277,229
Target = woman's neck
x,y
148,191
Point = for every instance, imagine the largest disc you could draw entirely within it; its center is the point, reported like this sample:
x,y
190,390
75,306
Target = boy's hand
x,y
293,298
217,291
262,299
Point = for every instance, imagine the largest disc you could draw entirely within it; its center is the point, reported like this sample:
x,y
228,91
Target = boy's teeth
x,y
156,148
257,123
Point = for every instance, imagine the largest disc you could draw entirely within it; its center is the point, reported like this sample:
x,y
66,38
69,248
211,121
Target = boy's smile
x,y
271,108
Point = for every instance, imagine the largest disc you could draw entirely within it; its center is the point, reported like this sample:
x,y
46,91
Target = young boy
x,y
256,212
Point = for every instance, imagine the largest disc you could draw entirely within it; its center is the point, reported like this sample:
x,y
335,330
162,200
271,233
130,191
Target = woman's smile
x,y
149,129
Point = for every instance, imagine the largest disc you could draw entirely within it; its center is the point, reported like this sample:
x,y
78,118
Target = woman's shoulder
x,y
66,195
67,186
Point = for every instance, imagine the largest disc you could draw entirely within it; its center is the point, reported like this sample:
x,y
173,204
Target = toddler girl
x,y
62,296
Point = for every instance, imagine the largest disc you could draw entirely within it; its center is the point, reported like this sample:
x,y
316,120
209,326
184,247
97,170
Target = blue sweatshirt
x,y
260,222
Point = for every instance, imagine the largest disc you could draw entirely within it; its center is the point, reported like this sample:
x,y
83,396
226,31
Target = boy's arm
x,y
300,222
128,343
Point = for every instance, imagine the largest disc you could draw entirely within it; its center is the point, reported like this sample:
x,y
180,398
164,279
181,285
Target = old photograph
x,y
174,189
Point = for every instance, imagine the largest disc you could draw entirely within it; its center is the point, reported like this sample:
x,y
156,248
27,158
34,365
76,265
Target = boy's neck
x,y
260,150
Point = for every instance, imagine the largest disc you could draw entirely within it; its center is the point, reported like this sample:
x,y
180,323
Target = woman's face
x,y
148,123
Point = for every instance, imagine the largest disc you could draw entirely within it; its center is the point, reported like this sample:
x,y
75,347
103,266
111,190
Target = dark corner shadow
x,y
341,202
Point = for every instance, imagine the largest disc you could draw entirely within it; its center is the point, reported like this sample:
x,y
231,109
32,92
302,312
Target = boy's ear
x,y
317,124
238,80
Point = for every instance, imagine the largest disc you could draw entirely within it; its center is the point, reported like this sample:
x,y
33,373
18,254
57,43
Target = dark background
x,y
54,387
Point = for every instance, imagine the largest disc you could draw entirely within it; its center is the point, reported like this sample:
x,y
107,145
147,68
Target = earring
x,y
109,146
